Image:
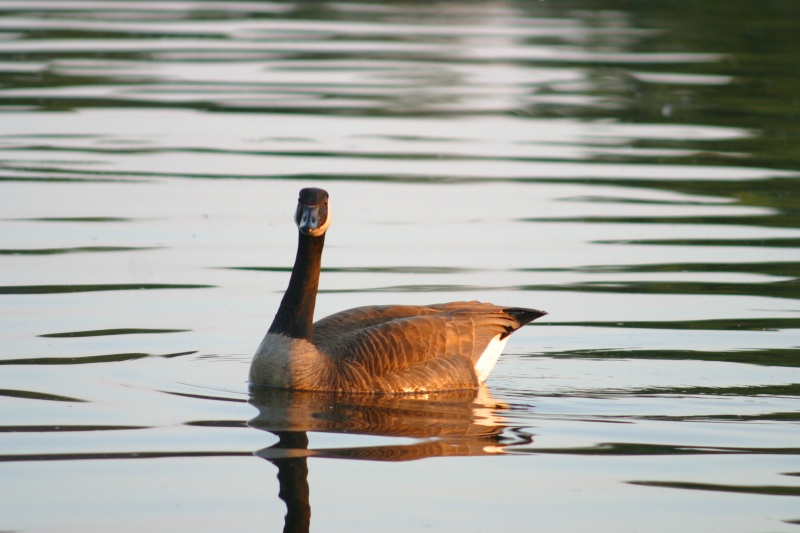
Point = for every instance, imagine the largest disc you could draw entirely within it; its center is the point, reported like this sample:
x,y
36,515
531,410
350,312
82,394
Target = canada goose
x,y
375,349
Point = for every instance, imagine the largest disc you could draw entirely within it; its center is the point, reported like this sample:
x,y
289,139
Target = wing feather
x,y
412,348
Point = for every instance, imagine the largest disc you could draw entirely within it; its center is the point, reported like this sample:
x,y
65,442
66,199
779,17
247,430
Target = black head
x,y
313,216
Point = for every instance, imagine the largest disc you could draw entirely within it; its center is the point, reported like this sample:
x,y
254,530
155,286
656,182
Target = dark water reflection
x,y
629,166
471,421
463,423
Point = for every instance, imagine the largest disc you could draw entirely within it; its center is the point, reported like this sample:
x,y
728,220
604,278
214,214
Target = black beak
x,y
307,218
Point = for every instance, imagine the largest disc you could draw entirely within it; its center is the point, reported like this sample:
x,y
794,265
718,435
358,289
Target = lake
x,y
629,167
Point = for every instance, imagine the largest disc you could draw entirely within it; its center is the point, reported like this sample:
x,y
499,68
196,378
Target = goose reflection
x,y
460,423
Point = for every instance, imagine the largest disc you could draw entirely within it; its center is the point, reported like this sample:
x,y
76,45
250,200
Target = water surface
x,y
629,167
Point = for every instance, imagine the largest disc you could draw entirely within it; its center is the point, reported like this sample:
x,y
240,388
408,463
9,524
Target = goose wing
x,y
414,348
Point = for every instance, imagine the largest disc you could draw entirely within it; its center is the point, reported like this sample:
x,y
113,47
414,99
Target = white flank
x,y
489,358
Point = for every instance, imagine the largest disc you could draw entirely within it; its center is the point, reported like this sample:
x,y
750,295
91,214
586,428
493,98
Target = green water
x,y
628,166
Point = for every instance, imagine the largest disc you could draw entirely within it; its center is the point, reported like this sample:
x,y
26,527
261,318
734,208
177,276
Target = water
x,y
630,167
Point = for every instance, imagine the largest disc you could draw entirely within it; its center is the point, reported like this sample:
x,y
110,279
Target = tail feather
x,y
523,316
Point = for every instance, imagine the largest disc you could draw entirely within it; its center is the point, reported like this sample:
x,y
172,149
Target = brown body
x,y
376,349
395,348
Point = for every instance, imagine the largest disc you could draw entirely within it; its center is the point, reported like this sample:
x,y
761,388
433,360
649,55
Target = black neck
x,y
296,313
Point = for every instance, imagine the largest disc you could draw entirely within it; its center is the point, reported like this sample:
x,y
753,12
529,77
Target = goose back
x,y
415,348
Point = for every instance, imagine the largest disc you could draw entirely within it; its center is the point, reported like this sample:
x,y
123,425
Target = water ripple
x,y
591,160
61,289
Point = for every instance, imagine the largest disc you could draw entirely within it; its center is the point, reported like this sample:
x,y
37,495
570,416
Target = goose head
x,y
313,215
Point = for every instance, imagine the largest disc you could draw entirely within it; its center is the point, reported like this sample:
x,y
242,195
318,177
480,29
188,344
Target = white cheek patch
x,y
323,228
